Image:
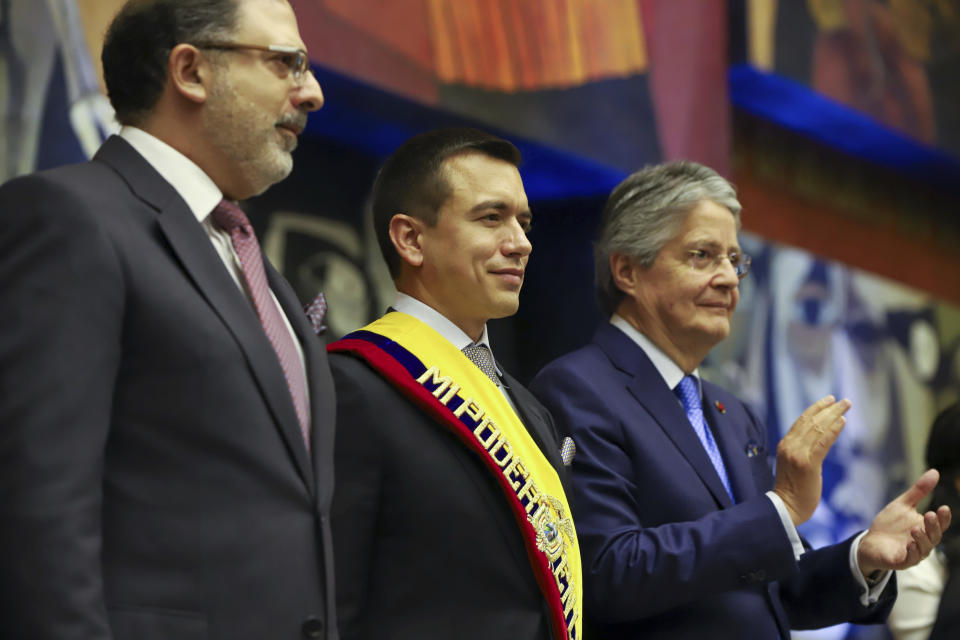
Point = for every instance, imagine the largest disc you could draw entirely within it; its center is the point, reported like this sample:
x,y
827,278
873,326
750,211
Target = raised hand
x,y
899,536
800,456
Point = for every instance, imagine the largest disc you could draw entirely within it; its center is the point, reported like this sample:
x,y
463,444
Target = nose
x,y
517,242
308,96
726,275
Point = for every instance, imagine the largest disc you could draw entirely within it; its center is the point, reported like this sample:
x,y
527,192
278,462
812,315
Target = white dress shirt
x,y
672,374
919,589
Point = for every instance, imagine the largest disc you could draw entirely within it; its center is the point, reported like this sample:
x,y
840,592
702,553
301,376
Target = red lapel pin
x,y
720,407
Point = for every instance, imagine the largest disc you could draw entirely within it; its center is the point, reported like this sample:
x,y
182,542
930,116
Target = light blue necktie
x,y
689,395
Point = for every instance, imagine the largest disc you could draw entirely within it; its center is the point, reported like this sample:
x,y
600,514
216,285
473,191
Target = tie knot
x,y
229,216
479,355
688,393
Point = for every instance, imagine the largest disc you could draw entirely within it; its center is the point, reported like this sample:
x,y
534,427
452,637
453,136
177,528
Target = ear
x,y
624,270
405,234
189,73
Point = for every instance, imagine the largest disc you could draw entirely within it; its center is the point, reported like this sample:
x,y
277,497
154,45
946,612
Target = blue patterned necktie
x,y
689,395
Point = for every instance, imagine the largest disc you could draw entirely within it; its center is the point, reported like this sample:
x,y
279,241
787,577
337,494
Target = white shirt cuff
x,y
788,525
870,594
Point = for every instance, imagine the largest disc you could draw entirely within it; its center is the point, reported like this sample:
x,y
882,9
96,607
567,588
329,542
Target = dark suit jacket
x,y
425,543
667,553
153,479
947,624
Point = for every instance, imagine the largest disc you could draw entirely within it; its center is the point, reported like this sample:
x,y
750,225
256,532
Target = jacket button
x,y
312,628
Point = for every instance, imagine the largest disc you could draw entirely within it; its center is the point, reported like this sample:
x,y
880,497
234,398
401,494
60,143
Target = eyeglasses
x,y
706,260
295,60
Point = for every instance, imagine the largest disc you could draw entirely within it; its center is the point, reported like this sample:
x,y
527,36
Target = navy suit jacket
x,y
153,480
666,552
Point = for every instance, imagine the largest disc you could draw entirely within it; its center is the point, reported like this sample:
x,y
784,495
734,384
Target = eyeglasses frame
x,y
299,74
741,269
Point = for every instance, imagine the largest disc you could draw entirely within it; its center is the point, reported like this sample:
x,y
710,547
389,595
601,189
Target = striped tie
x,y
689,395
230,218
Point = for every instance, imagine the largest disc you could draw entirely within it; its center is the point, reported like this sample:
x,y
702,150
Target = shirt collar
x,y
439,323
194,186
671,373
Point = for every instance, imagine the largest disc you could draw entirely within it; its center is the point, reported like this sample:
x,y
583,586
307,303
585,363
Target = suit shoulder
x,y
575,370
76,194
360,388
345,366
80,177
586,358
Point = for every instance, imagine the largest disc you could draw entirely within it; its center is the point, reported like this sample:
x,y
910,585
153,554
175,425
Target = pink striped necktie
x,y
230,218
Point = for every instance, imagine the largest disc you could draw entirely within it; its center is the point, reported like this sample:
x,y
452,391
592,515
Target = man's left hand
x,y
899,536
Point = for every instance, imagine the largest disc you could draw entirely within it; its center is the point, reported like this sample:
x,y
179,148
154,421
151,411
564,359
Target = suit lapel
x,y
318,377
651,392
537,424
734,457
202,264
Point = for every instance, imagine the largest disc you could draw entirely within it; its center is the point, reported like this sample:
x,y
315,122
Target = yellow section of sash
x,y
507,442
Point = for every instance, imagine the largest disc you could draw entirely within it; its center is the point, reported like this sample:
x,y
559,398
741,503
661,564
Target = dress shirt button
x,y
312,628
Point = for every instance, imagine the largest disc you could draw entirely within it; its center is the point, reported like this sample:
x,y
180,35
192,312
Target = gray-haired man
x,y
683,531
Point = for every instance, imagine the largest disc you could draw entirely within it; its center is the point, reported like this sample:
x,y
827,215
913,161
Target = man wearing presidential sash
x,y
450,517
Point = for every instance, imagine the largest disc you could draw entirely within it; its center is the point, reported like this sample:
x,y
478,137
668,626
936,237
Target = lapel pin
x,y
720,407
752,449
567,450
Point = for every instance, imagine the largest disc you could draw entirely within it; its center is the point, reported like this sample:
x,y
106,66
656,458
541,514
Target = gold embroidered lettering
x,y
454,388
433,375
487,432
530,498
517,475
501,451
471,408
562,576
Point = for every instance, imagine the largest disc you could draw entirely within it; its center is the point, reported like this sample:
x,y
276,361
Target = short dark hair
x,y
412,180
138,43
646,210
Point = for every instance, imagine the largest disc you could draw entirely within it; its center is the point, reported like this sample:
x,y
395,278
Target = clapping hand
x,y
900,537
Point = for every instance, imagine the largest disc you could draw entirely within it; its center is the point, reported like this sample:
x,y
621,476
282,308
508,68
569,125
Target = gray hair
x,y
646,211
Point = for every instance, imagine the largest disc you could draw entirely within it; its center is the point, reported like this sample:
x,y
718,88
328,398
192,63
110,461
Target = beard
x,y
248,136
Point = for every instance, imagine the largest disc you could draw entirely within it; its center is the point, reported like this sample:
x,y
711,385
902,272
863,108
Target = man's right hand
x,y
800,456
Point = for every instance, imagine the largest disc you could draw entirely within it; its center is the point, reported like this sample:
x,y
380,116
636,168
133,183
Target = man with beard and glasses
x,y
450,518
685,531
166,445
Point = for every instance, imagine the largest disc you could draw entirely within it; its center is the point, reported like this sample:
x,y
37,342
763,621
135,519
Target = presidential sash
x,y
444,383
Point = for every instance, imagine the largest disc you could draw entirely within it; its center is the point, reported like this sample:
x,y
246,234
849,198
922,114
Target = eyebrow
x,y
490,204
500,205
713,244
